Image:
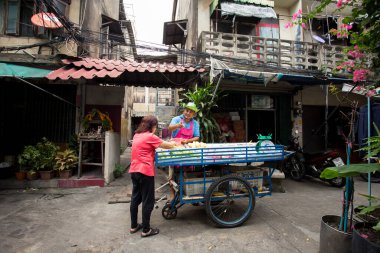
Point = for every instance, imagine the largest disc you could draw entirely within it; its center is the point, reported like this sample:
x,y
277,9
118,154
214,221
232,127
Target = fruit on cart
x,y
196,144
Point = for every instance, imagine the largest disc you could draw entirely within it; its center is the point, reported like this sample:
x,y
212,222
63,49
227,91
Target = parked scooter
x,y
294,164
300,164
316,163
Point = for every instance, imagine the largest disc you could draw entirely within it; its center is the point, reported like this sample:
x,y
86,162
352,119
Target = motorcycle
x,y
299,164
294,164
316,163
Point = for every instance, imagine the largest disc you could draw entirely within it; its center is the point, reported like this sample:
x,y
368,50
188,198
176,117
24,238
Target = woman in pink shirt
x,y
142,173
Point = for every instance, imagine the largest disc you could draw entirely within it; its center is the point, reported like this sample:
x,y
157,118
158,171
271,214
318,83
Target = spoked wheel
x,y
229,201
169,212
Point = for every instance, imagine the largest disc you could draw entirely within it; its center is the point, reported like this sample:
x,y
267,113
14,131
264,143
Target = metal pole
x,y
369,151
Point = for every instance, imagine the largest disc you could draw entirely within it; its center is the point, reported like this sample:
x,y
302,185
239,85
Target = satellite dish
x,y
319,39
47,20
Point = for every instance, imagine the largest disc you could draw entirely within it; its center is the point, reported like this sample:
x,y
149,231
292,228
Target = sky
x,y
149,18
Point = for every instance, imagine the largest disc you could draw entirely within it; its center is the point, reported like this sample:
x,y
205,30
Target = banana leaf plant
x,y
206,98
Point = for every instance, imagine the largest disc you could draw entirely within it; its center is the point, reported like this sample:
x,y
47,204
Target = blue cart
x,y
229,198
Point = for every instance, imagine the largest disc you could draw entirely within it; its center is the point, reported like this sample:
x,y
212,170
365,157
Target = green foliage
x,y
38,157
65,160
118,171
349,170
205,99
27,159
47,151
374,144
367,210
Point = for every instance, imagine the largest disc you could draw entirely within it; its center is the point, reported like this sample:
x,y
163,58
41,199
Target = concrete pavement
x,y
82,220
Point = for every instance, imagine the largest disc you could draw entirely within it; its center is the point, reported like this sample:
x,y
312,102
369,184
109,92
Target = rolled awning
x,y
245,10
269,3
12,70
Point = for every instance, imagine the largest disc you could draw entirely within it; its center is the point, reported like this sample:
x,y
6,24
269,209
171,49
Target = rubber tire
x,y
167,213
208,203
301,168
337,182
364,176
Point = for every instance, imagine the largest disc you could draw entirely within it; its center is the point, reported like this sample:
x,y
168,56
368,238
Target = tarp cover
x,y
246,10
7,69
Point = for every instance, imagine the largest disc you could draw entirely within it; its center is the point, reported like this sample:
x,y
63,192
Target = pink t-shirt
x,y
143,150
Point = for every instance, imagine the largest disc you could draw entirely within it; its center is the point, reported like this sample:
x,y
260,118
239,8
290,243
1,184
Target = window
x,y
165,97
12,16
152,95
17,17
139,95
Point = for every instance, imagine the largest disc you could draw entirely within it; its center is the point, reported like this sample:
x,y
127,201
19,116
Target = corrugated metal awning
x,y
126,72
13,70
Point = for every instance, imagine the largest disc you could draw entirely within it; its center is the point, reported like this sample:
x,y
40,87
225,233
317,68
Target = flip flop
x,y
152,231
134,230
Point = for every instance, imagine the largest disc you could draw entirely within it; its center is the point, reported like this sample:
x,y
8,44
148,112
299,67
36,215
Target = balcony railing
x,y
272,52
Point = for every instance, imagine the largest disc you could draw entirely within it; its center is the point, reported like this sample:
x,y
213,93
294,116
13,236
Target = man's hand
x,y
180,125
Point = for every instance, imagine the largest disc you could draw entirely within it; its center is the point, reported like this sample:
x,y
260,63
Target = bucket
x,y
333,240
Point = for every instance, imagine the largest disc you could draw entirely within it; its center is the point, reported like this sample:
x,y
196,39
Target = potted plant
x,y
366,234
64,162
21,174
45,160
363,232
27,161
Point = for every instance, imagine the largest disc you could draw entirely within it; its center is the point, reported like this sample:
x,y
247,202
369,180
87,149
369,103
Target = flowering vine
x,y
356,62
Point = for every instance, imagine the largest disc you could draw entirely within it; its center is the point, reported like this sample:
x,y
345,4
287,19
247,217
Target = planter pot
x,y
65,174
20,175
46,175
31,175
331,239
362,238
371,217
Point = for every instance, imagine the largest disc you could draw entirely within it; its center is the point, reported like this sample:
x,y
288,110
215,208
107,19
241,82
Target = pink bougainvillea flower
x,y
371,93
288,25
358,88
364,236
360,75
296,15
303,25
339,3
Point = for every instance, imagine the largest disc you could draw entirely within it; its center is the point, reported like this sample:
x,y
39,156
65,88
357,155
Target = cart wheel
x,y
229,201
169,212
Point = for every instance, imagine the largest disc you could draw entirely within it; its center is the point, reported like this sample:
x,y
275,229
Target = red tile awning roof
x,y
126,72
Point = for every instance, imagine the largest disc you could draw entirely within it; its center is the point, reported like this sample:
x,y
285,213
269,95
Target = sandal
x,y
152,231
134,230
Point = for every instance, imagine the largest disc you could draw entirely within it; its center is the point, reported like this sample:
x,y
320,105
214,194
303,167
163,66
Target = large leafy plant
x,y
47,151
65,160
205,97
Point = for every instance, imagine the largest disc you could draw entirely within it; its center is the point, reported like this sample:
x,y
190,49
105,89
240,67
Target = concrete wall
x,y
104,95
93,18
111,155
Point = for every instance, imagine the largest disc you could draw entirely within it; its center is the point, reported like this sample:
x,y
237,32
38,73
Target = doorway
x,y
261,122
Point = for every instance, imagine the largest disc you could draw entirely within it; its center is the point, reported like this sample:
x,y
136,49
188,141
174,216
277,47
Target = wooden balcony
x,y
263,52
